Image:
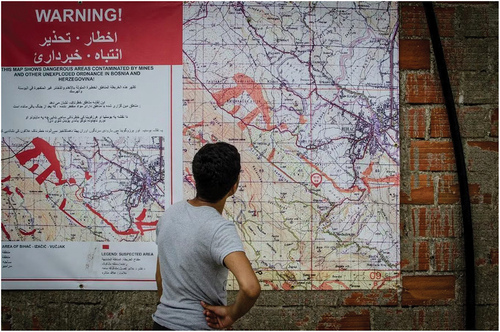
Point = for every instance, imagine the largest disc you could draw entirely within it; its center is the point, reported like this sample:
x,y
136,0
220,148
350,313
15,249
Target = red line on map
x,y
199,124
326,285
278,168
368,170
378,286
142,224
79,193
283,127
198,136
250,204
62,206
342,190
392,180
223,96
19,192
387,181
6,179
5,232
271,155
142,215
235,110
129,231
302,119
33,168
354,189
27,233
189,176
270,283
7,190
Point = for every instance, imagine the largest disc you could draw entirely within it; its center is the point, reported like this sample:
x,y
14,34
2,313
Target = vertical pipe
x,y
470,305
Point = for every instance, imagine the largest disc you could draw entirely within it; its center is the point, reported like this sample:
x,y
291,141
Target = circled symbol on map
x,y
316,179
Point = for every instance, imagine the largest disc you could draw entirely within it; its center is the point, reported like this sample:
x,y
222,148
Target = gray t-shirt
x,y
192,244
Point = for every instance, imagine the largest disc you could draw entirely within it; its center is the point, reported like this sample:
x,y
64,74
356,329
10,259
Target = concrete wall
x,y
432,296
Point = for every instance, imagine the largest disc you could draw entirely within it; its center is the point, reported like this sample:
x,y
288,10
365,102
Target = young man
x,y
197,246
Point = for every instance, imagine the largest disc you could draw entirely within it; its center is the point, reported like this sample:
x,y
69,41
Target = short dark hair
x,y
216,167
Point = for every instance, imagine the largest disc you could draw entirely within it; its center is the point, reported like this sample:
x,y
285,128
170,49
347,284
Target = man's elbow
x,y
252,291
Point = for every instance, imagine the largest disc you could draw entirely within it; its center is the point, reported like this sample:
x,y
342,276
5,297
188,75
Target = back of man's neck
x,y
219,206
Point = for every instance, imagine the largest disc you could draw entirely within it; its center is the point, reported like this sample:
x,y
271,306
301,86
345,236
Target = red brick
x,y
477,196
419,319
423,89
435,222
471,121
385,298
432,156
351,321
491,259
414,54
494,123
6,323
484,145
36,323
440,318
414,22
421,190
416,123
494,256
446,256
480,262
428,290
449,192
440,125
446,21
302,321
404,263
421,256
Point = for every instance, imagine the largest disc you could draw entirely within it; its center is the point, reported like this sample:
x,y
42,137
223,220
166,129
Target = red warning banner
x,y
91,33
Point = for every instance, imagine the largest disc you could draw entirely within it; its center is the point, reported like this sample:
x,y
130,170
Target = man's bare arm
x,y
249,290
158,279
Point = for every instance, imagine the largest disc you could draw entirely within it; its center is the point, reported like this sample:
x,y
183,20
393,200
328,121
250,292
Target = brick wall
x,y
431,222
432,294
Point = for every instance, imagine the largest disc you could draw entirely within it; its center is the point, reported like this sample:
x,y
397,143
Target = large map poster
x,y
90,116
308,93
104,105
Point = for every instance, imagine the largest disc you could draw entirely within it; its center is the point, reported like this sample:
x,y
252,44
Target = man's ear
x,y
235,187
